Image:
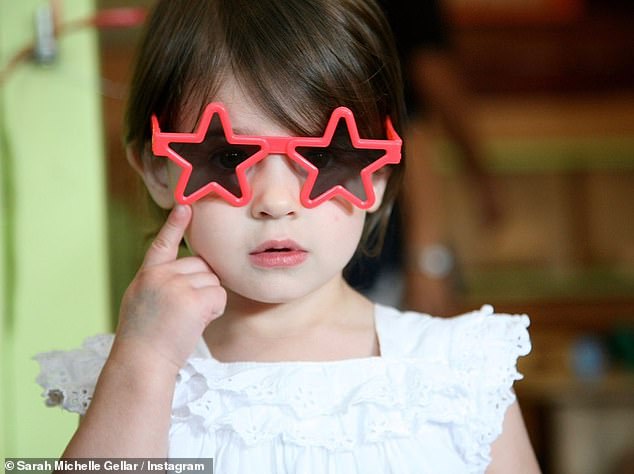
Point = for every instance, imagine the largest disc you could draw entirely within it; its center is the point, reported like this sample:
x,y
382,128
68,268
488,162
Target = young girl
x,y
269,129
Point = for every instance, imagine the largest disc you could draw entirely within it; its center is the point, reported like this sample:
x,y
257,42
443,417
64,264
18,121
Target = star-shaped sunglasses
x,y
215,160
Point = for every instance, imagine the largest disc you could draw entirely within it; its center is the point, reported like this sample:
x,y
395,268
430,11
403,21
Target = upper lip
x,y
284,244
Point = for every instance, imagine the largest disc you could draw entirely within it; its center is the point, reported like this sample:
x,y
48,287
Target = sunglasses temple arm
x,y
391,132
156,136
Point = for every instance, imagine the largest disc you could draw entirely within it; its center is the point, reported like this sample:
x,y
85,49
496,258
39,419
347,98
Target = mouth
x,y
277,246
278,253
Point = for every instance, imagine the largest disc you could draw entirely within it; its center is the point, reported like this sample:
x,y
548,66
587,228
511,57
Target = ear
x,y
379,183
154,173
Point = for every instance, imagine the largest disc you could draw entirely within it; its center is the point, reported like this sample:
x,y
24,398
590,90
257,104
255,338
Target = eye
x,y
229,158
321,158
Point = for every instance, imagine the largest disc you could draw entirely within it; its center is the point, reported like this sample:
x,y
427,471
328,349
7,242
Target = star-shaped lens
x,y
341,163
212,159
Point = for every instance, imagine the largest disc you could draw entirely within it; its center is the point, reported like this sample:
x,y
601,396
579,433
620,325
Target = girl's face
x,y
272,250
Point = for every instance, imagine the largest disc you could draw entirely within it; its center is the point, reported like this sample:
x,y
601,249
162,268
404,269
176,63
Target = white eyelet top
x,y
433,402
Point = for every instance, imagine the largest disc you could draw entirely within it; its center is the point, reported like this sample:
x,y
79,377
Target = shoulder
x,y
68,378
457,339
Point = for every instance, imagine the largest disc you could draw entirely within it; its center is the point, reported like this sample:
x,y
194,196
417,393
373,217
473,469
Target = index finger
x,y
164,248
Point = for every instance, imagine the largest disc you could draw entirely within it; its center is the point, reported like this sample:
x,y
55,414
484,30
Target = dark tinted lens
x,y
214,160
339,163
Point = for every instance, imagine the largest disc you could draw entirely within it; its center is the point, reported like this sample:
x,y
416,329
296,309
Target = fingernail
x,y
179,210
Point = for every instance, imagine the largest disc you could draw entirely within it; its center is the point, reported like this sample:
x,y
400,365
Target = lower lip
x,y
278,259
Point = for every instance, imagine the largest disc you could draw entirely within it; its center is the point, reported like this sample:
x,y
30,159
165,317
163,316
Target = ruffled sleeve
x,y
485,347
69,377
479,351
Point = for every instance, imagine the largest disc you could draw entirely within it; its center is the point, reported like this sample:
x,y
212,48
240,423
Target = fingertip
x,y
181,211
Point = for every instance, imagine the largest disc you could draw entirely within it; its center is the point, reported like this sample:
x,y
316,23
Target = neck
x,y
296,316
263,328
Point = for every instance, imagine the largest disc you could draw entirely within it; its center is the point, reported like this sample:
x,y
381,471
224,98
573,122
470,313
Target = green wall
x,y
53,258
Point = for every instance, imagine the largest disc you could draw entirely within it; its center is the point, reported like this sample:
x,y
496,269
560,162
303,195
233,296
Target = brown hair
x,y
297,59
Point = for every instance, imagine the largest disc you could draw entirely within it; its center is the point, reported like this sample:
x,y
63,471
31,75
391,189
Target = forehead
x,y
247,118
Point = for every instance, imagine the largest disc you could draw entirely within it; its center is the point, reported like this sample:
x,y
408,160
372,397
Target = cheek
x,y
209,235
344,232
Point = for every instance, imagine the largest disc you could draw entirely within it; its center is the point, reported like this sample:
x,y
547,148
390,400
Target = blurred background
x,y
542,224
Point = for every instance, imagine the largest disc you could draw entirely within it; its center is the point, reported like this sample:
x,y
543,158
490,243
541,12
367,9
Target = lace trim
x,y
69,377
332,406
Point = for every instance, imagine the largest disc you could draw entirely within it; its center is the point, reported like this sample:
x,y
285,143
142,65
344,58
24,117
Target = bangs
x,y
283,56
298,60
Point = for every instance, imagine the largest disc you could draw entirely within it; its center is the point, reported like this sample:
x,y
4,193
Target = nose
x,y
276,186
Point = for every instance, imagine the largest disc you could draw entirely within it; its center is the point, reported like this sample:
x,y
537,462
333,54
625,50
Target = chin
x,y
273,292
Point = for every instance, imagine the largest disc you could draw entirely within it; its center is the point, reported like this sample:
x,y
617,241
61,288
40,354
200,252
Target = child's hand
x,y
170,301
